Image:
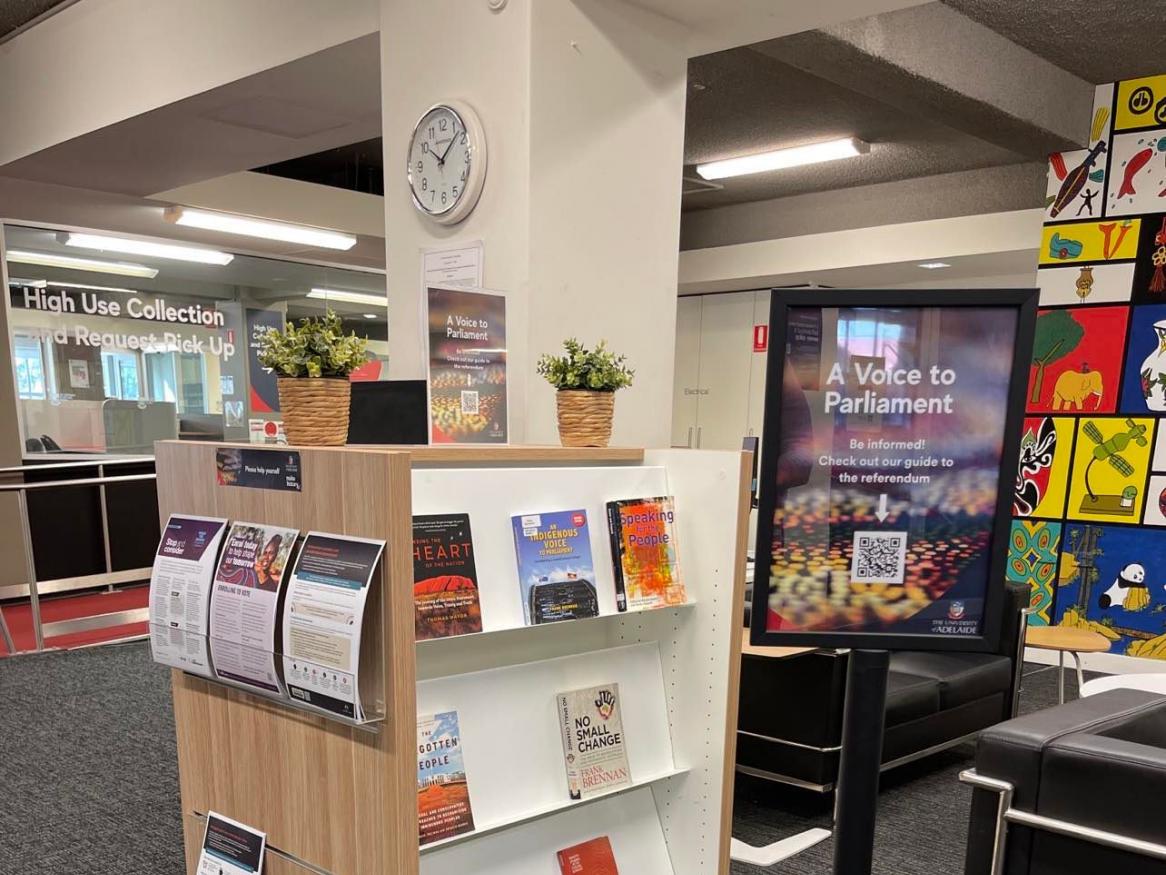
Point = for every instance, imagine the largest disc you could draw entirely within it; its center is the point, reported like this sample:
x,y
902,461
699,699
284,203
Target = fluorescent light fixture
x,y
32,284
934,265
70,262
780,159
230,223
348,297
149,247
370,315
88,288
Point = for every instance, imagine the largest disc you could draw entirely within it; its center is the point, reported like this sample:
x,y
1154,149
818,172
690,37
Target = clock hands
x,y
452,140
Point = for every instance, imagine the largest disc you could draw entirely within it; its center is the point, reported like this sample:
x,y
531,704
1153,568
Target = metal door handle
x,y
689,444
699,428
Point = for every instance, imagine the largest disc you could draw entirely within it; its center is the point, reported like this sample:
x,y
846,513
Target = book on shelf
x,y
643,553
555,571
593,743
443,793
592,857
445,581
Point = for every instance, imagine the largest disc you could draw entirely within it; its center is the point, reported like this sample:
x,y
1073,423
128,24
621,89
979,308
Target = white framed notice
x,y
180,582
454,266
230,848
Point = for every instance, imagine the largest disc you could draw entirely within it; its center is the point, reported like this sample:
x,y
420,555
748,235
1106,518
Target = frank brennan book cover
x,y
443,793
593,742
445,582
555,571
592,857
643,553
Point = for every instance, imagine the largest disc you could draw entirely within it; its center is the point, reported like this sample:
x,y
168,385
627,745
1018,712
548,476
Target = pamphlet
x,y
643,553
230,848
251,666
323,615
247,584
443,793
445,580
593,857
554,566
180,584
180,649
593,742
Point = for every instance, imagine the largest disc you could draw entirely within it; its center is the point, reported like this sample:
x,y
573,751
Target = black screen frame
x,y
1024,301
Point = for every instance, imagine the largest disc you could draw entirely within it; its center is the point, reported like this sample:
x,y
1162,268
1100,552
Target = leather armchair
x,y
1072,790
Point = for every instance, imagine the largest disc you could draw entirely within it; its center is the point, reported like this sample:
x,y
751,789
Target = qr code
x,y
879,557
469,401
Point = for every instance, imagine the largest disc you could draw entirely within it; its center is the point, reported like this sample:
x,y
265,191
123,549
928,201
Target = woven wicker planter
x,y
584,417
315,410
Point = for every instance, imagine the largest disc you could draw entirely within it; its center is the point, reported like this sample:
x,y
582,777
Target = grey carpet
x,y
89,783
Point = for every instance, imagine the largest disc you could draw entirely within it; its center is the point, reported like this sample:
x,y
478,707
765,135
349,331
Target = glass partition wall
x,y
112,351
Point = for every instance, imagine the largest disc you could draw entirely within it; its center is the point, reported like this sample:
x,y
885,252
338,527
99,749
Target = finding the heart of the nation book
x,y
593,741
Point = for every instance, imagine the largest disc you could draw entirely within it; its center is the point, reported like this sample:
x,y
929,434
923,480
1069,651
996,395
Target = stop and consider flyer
x,y
230,848
322,617
180,583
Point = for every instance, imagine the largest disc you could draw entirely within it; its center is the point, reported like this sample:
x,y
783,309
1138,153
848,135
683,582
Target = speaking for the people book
x,y
443,793
643,553
593,744
592,857
445,581
555,570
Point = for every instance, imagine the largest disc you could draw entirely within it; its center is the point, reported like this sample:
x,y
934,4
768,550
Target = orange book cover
x,y
590,858
643,551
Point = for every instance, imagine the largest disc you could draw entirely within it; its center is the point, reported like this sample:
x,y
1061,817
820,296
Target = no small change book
x,y
643,553
443,794
445,582
555,571
593,742
593,857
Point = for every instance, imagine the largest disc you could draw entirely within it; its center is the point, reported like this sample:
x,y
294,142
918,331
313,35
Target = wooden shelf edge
x,y
548,811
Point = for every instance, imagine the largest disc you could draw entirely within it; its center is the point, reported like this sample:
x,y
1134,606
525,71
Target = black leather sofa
x,y
1072,790
789,725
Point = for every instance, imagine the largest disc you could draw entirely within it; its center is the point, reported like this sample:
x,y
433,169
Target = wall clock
x,y
447,162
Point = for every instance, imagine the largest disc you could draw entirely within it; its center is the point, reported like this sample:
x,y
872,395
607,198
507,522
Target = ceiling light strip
x,y
231,223
781,159
149,248
71,262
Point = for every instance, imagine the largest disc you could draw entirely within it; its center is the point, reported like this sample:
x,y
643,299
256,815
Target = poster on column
x,y
180,582
323,616
887,481
467,366
244,603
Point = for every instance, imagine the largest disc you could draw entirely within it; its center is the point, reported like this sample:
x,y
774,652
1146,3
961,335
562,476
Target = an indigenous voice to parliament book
x,y
443,793
593,857
643,553
593,742
445,581
555,570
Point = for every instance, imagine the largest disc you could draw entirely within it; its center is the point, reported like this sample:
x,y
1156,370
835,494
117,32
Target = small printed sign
x,y
259,469
760,338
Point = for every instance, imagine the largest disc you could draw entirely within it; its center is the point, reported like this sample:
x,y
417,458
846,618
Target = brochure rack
x,y
335,799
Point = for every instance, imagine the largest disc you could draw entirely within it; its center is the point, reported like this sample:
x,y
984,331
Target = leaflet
x,y
250,666
247,584
230,848
180,649
322,619
180,583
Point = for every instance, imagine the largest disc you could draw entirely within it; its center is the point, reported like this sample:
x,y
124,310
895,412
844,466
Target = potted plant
x,y
586,380
313,361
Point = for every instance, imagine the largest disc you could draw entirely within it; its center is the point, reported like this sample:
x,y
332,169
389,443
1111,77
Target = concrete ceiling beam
x,y
936,62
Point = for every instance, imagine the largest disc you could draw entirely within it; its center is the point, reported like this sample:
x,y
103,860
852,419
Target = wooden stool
x,y
1066,639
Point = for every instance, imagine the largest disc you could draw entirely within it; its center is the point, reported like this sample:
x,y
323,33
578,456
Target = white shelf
x,y
547,811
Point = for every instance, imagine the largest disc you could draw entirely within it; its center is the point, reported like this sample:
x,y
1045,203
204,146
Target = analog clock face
x,y
441,161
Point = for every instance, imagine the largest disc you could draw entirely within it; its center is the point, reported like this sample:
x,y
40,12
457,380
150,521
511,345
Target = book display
x,y
600,747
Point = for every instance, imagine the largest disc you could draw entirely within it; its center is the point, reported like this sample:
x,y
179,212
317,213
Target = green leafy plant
x,y
598,370
314,348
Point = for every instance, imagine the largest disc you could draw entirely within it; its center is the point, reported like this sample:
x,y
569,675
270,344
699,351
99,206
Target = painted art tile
x,y
1032,559
1086,284
1112,580
1077,356
1076,180
1158,463
1155,514
1144,379
1065,243
1110,463
1141,103
1149,281
1042,476
1137,174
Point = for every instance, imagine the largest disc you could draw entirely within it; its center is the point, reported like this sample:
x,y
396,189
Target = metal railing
x,y
22,490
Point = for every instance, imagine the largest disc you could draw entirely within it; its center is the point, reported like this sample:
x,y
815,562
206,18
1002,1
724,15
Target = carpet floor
x,y
89,782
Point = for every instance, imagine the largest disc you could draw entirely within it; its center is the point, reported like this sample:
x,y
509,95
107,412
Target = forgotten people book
x,y
593,743
555,571
443,793
643,553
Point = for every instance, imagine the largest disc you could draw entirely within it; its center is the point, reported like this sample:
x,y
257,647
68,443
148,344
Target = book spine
x,y
615,533
574,783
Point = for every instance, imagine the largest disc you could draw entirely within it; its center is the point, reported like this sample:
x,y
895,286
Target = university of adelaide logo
x,y
956,611
605,704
